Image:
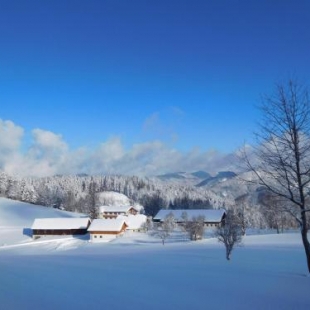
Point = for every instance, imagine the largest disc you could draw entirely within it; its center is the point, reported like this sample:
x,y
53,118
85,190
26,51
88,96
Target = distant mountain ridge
x,y
173,175
198,178
201,174
222,176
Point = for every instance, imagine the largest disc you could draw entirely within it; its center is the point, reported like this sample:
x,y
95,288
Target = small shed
x,y
59,226
102,228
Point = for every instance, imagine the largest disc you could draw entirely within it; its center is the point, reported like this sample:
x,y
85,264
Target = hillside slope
x,y
17,217
16,213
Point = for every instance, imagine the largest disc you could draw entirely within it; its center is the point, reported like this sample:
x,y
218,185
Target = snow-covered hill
x,y
136,271
110,198
17,217
16,213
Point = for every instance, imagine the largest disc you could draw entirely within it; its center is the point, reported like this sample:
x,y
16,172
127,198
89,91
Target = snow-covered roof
x,y
106,225
214,216
120,209
133,221
61,223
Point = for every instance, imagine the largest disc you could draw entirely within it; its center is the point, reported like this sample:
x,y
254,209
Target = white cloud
x,y
164,124
48,139
47,145
10,136
178,112
151,122
49,154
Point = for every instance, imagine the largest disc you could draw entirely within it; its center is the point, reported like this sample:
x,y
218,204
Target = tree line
x,y
72,193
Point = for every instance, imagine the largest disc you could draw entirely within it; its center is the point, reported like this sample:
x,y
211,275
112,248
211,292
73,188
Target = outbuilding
x,y
59,226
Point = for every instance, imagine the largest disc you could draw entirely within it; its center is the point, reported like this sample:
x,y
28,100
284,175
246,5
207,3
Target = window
x,y
95,236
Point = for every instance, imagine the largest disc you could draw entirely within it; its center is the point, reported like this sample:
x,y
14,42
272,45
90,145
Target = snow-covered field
x,y
137,272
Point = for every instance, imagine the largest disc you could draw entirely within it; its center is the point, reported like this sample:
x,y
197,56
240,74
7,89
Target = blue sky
x,y
185,75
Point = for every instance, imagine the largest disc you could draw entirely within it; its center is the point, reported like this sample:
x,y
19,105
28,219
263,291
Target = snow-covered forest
x,y
71,193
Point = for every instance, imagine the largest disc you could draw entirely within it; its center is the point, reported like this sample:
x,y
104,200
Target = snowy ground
x,y
137,272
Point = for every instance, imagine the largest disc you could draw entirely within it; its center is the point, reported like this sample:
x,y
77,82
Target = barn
x,y
59,226
212,218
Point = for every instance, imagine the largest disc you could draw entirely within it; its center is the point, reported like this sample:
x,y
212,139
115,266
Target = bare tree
x,y
148,225
240,210
274,211
194,227
282,163
164,229
230,234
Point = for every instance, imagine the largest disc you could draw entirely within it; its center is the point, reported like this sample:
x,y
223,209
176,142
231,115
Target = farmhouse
x,y
134,222
112,212
101,228
59,226
212,218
